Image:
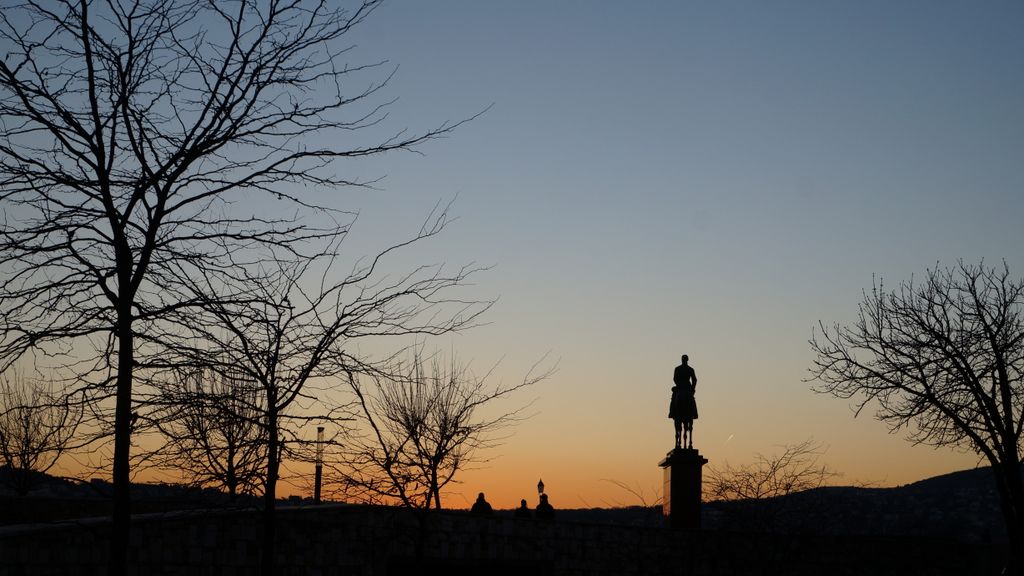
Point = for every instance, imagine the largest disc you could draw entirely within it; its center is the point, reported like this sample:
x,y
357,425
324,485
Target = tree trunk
x,y
1011,501
1015,533
121,529
270,495
435,490
231,479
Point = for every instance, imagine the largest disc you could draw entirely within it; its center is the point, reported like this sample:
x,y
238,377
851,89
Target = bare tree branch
x,y
796,469
285,324
211,430
943,359
143,141
424,421
36,427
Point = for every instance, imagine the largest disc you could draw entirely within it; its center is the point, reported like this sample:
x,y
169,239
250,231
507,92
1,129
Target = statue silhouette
x,y
683,407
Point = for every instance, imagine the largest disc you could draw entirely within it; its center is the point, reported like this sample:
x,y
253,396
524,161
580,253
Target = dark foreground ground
x,y
374,541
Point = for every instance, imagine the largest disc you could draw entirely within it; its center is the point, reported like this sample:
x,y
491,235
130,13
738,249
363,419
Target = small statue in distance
x,y
683,407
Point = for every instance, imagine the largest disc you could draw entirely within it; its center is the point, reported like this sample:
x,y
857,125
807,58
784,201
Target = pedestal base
x,y
682,490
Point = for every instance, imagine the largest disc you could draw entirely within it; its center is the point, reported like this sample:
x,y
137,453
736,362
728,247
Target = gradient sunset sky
x,y
710,178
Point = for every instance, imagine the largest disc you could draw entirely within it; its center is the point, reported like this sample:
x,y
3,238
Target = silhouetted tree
x,y
423,421
795,469
134,138
652,499
942,357
290,329
211,431
647,503
36,427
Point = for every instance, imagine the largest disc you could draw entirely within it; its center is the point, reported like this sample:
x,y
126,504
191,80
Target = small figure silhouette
x,y
683,407
481,506
544,509
523,511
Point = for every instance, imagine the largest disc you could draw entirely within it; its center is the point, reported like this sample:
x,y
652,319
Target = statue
x,y
683,408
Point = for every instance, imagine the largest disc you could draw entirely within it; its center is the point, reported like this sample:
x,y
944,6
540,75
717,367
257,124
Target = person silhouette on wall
x,y
523,511
683,406
544,509
481,506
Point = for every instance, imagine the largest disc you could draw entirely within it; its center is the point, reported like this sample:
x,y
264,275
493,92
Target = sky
x,y
711,178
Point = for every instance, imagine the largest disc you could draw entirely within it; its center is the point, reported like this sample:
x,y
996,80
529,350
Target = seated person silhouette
x,y
481,506
523,511
544,510
683,407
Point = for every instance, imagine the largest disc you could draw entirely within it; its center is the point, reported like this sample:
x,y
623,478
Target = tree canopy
x,y
943,358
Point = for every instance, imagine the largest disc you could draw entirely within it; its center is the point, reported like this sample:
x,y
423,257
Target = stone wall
x,y
380,541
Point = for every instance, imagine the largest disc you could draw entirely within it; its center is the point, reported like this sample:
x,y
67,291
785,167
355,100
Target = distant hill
x,y
54,498
961,505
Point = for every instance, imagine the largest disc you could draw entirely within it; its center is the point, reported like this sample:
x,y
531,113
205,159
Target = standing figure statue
x,y
683,408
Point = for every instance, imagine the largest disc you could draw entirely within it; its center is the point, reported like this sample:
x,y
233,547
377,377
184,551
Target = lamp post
x,y
319,464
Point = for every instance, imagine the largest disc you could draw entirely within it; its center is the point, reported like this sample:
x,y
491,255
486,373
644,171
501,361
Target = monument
x,y
683,464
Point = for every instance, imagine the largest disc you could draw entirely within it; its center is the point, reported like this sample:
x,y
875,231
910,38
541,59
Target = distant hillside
x,y
55,498
962,505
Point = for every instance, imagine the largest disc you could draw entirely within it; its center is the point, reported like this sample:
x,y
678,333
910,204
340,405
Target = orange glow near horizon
x,y
585,454
584,483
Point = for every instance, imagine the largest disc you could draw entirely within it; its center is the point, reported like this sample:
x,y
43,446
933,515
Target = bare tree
x,y
211,430
130,131
424,420
942,358
36,427
647,502
287,326
774,494
648,499
796,468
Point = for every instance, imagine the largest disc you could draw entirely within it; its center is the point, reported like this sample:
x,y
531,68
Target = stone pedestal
x,y
682,491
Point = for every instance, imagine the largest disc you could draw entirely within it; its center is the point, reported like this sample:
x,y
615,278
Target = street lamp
x,y
319,464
